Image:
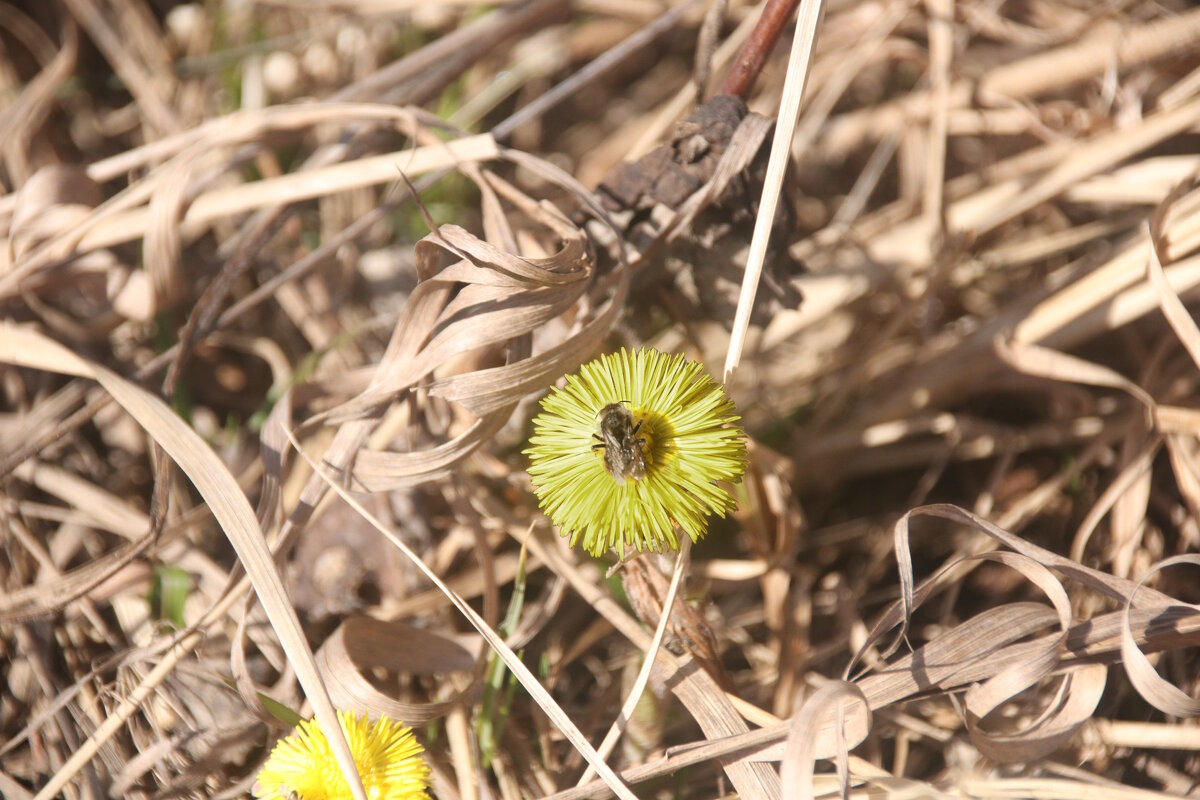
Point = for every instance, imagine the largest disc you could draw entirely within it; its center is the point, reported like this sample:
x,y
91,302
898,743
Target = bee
x,y
624,450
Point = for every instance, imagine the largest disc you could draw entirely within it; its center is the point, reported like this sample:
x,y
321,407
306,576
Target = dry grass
x,y
976,443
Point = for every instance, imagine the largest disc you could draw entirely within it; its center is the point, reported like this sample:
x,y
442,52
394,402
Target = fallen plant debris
x,y
283,286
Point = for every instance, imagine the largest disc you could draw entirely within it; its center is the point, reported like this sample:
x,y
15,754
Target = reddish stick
x,y
750,59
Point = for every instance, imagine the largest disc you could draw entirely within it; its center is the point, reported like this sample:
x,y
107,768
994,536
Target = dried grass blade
x,y
1082,689
981,700
1182,452
26,115
1117,588
754,745
102,509
484,391
1078,694
1026,78
1136,472
273,446
803,44
1054,789
50,597
1161,694
1097,155
1176,314
382,471
643,676
809,723
1032,359
955,653
1128,521
223,202
941,54
1115,47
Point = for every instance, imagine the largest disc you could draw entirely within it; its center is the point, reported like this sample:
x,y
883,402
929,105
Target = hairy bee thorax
x,y
624,443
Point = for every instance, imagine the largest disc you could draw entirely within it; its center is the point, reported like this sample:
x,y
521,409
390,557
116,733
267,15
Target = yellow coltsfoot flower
x,y
630,448
302,766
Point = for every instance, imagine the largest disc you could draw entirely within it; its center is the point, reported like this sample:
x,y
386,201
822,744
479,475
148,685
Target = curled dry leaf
x,y
363,645
53,198
485,298
988,654
1156,691
835,718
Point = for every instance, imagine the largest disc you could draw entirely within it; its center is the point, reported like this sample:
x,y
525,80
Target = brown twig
x,y
752,56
